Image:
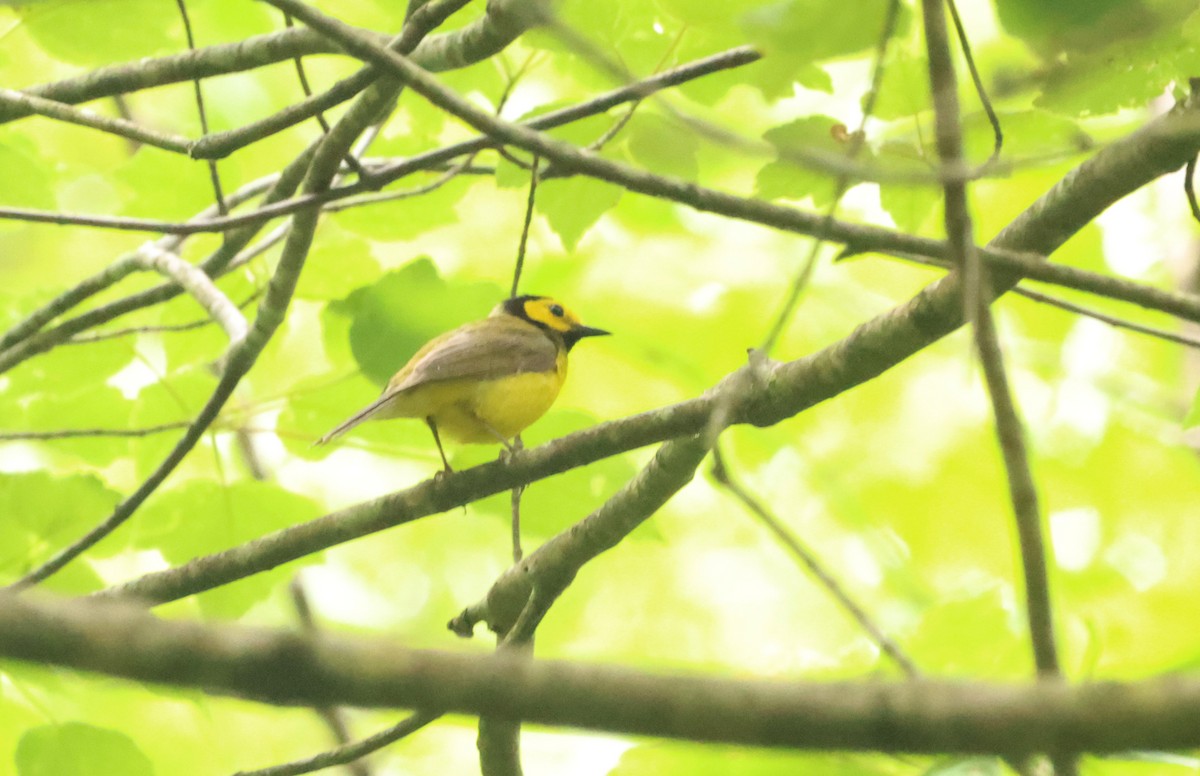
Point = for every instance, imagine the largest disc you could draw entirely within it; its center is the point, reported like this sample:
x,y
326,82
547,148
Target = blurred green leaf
x,y
663,146
335,267
735,761
574,205
792,26
790,179
407,217
79,749
43,514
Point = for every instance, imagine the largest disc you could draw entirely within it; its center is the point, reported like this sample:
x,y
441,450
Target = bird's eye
x,y
556,310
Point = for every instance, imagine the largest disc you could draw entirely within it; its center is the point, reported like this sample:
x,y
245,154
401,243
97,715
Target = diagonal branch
x,y
200,286
13,100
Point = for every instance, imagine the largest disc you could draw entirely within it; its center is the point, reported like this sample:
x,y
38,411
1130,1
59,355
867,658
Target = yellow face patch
x,y
551,314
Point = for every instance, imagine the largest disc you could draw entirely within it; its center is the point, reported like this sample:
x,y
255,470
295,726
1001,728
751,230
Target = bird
x,y
487,380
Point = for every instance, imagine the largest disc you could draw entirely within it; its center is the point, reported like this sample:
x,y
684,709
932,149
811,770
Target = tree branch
x,y
477,41
201,288
284,668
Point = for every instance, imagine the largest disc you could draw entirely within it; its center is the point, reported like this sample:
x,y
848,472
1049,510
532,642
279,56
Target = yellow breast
x,y
478,410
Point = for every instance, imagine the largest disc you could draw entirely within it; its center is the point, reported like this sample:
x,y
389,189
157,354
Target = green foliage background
x,y
896,485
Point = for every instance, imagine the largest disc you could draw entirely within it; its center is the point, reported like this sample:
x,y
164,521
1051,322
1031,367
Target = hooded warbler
x,y
487,380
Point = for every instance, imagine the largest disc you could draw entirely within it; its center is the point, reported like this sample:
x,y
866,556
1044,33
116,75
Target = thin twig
x,y
1072,307
392,196
980,90
162,328
1112,320
302,77
517,492
533,182
73,433
351,752
1189,187
121,127
809,560
199,92
200,286
736,57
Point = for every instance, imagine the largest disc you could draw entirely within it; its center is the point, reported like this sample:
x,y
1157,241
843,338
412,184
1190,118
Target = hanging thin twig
x,y
212,163
533,181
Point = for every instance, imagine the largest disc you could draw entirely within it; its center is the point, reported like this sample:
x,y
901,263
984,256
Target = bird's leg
x,y
438,440
509,447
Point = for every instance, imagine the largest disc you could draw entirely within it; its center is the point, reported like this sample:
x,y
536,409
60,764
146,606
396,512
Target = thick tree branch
x,y
282,667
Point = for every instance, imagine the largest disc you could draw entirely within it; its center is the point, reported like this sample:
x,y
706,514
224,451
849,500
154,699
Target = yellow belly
x,y
476,411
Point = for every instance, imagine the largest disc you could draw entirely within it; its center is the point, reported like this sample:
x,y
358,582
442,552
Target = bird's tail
x,y
364,414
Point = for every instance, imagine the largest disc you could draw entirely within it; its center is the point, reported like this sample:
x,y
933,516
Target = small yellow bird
x,y
487,380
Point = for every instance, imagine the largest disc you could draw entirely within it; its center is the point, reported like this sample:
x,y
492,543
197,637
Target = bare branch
x,y
14,100
281,667
200,286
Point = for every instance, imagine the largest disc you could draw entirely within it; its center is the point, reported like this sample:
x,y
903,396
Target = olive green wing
x,y
484,350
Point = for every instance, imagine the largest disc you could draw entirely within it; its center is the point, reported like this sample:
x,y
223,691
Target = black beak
x,y
579,332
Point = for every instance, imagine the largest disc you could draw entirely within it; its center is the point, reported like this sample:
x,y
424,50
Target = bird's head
x,y
548,314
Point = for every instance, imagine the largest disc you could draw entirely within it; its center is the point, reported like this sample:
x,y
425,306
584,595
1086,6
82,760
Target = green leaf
x,y
44,513
1192,419
177,398
909,206
407,217
335,267
98,407
904,92
792,179
67,30
574,205
1085,25
510,175
697,760
952,636
80,750
160,184
662,146
27,181
815,30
